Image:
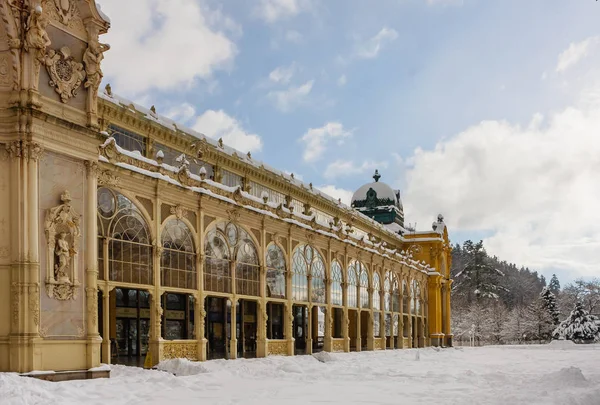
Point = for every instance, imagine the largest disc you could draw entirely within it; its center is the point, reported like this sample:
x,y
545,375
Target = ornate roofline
x,y
113,109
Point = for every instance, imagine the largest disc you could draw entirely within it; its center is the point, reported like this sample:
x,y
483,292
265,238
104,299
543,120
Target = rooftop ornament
x,y
376,176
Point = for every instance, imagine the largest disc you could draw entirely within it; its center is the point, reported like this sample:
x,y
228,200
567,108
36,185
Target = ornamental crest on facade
x,y
66,74
62,237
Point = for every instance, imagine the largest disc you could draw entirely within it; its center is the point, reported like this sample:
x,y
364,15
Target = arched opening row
x,y
232,265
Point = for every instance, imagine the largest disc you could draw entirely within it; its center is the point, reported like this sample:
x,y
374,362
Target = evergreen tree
x,y
579,326
539,321
549,304
554,285
478,278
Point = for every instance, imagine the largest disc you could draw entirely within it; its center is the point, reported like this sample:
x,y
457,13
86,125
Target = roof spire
x,y
376,176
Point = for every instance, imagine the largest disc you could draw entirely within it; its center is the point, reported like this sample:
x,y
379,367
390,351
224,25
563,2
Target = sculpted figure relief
x,y
36,41
36,38
63,253
92,58
63,231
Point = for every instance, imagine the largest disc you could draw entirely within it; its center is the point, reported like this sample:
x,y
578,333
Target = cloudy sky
x,y
487,111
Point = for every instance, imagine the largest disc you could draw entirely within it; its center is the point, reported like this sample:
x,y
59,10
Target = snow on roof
x,y
102,14
173,126
377,248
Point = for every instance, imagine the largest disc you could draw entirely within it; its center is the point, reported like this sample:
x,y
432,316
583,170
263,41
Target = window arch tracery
x,y
395,293
337,280
353,274
306,261
364,287
376,291
387,292
229,247
178,257
276,272
122,223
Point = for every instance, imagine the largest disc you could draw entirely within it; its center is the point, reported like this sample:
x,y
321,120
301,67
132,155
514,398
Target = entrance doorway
x,y
246,327
318,329
131,327
299,328
365,319
353,329
414,341
217,327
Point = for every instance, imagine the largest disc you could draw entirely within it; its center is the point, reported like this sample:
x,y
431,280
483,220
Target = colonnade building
x,y
123,233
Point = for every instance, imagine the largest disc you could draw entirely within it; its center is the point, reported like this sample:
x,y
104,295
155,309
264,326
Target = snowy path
x,y
550,374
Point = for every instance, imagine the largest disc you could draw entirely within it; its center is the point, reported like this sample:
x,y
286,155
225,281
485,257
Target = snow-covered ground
x,y
560,373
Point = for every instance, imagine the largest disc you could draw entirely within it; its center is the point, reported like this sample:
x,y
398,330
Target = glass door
x,y
300,314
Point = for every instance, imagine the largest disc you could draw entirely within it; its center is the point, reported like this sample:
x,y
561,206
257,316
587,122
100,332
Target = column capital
x,y
91,168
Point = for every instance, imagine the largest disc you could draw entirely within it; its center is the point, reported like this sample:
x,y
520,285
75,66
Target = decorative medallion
x,y
62,236
178,211
66,74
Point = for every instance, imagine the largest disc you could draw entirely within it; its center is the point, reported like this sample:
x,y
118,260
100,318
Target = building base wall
x,y
70,375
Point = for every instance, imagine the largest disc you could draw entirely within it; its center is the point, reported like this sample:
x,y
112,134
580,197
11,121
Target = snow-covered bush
x,y
579,327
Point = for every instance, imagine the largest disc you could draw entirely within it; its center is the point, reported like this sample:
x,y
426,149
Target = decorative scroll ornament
x,y
178,211
66,74
65,10
62,235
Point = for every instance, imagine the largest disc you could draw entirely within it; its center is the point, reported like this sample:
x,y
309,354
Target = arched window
x,y
353,273
306,260
247,268
178,258
337,279
227,242
376,291
129,241
413,296
405,299
417,297
364,287
276,269
300,270
387,289
395,293
318,286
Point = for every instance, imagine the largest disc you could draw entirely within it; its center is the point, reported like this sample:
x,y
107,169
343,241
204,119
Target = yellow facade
x,y
107,254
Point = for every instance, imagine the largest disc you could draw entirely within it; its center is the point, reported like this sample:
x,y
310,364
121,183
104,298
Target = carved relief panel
x,y
62,303
63,233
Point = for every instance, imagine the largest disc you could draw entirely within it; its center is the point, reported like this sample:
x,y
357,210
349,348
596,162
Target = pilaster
x,y
233,336
435,309
91,266
25,262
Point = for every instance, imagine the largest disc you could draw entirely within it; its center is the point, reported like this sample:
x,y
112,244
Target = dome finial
x,y
376,176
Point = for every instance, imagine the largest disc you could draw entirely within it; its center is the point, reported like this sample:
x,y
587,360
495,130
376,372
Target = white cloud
x,y
153,39
337,193
574,53
282,74
217,124
343,168
274,10
293,36
535,188
316,139
342,80
293,96
181,113
370,48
